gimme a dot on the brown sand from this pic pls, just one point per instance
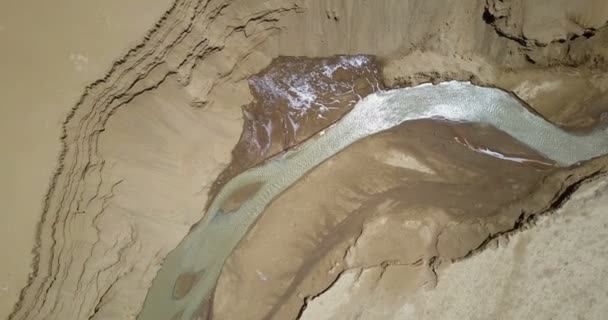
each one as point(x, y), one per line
point(422, 196)
point(236, 199)
point(185, 282)
point(142, 148)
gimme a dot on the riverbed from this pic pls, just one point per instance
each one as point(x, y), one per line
point(186, 280)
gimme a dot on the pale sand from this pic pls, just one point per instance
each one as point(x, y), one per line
point(50, 52)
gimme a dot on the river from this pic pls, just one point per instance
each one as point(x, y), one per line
point(203, 251)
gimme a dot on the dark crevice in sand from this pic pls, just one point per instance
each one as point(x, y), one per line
point(500, 17)
point(307, 299)
point(528, 220)
point(101, 299)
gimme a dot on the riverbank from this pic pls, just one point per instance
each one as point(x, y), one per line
point(142, 148)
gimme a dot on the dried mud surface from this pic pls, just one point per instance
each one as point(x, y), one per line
point(143, 146)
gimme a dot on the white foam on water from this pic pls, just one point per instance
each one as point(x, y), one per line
point(498, 155)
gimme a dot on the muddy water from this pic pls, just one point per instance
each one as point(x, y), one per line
point(202, 253)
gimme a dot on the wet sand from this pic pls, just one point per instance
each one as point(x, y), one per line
point(293, 99)
point(398, 197)
point(236, 199)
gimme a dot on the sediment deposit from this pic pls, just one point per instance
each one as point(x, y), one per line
point(406, 215)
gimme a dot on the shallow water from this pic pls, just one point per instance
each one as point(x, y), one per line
point(209, 244)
